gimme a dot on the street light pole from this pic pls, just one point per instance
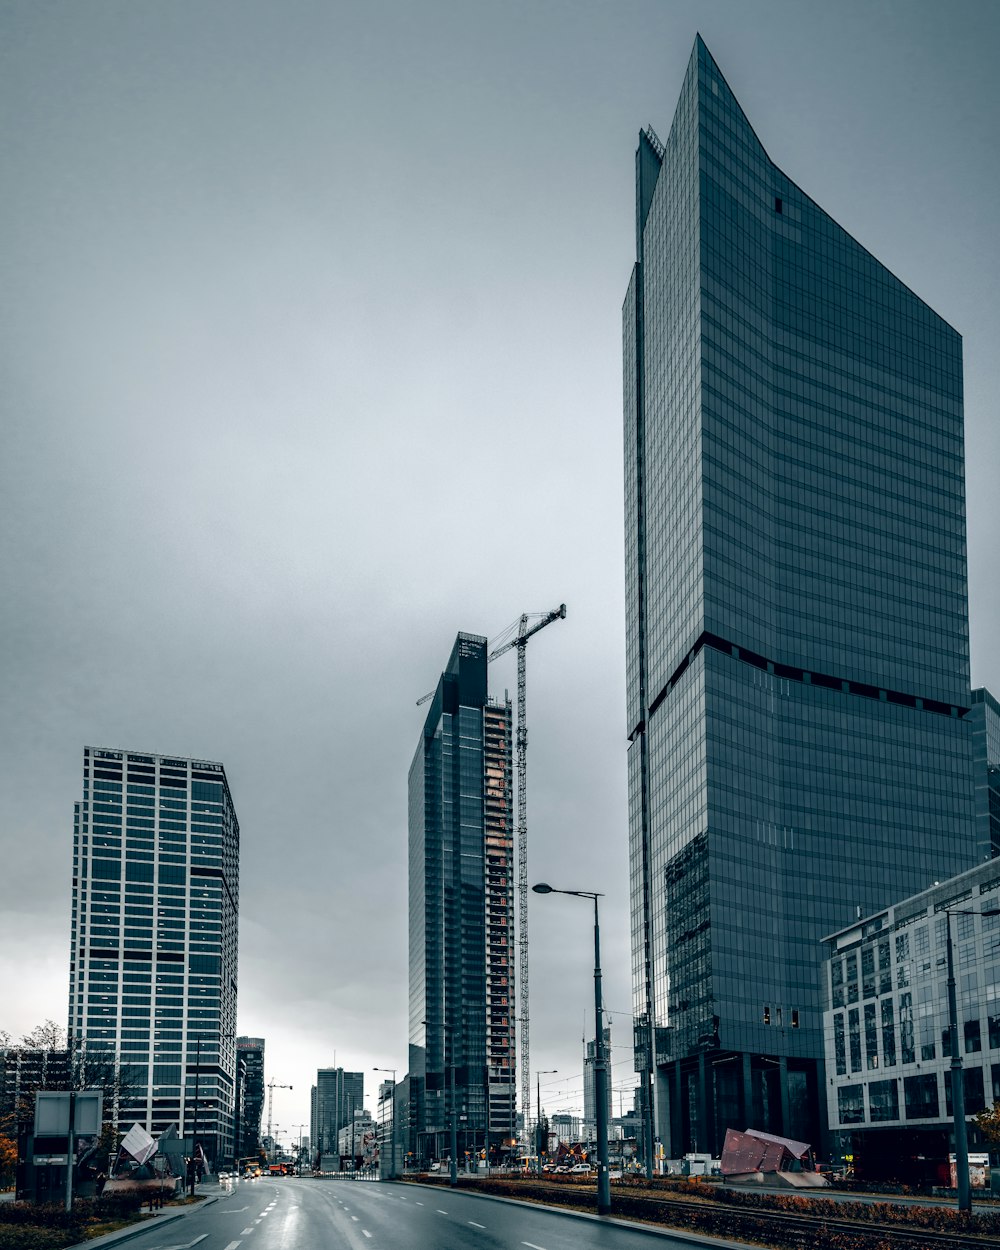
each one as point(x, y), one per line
point(539, 1073)
point(392, 1126)
point(600, 1059)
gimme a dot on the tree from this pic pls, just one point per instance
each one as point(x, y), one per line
point(988, 1122)
point(42, 1060)
point(8, 1155)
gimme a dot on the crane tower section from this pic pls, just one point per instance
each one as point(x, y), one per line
point(525, 630)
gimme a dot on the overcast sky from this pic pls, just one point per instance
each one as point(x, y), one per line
point(310, 339)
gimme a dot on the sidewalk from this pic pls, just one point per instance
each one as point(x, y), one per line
point(208, 1188)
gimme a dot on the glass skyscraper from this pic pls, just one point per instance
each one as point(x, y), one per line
point(797, 623)
point(336, 1096)
point(985, 718)
point(153, 961)
point(461, 914)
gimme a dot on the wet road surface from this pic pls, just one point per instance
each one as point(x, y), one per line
point(327, 1214)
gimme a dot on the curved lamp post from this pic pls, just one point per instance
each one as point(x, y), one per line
point(600, 1060)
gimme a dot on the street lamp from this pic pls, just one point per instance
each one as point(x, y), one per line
point(298, 1149)
point(600, 1061)
point(453, 1166)
point(392, 1126)
point(538, 1123)
point(957, 1076)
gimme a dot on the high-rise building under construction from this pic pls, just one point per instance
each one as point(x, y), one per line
point(797, 622)
point(461, 913)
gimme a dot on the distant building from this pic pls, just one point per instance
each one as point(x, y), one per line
point(985, 717)
point(589, 1095)
point(250, 1074)
point(153, 960)
point(564, 1128)
point(26, 1069)
point(461, 913)
point(886, 1024)
point(357, 1139)
point(336, 1097)
point(797, 639)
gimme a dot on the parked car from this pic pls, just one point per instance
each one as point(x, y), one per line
point(435, 1167)
point(581, 1167)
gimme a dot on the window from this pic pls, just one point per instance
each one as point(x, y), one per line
point(854, 1034)
point(840, 1044)
point(871, 1037)
point(888, 1034)
point(851, 1104)
point(883, 1100)
point(920, 1094)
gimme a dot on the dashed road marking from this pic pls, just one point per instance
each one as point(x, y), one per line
point(354, 1218)
point(440, 1212)
point(232, 1245)
point(247, 1230)
point(532, 1245)
point(475, 1225)
point(366, 1232)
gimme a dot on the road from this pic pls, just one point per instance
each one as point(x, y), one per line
point(308, 1214)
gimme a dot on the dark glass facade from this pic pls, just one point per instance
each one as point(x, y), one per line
point(797, 628)
point(250, 1094)
point(153, 963)
point(985, 718)
point(461, 913)
point(336, 1096)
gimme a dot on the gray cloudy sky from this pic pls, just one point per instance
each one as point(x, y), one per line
point(310, 325)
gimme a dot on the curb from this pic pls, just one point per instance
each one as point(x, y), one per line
point(681, 1234)
point(141, 1226)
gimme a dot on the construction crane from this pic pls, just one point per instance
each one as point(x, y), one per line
point(271, 1087)
point(520, 640)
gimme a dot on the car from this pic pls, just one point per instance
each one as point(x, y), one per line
point(581, 1167)
point(435, 1167)
point(563, 1168)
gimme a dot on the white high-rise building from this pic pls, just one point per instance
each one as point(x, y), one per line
point(153, 962)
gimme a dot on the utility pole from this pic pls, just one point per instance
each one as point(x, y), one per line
point(524, 632)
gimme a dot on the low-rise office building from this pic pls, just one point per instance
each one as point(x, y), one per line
point(886, 1027)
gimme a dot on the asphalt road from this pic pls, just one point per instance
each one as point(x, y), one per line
point(308, 1214)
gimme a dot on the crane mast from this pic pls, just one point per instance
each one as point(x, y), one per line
point(524, 632)
point(271, 1087)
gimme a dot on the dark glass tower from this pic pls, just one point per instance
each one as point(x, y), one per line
point(249, 1094)
point(985, 718)
point(336, 1096)
point(797, 624)
point(461, 907)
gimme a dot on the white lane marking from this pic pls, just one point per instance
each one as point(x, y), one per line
point(366, 1232)
point(232, 1245)
point(440, 1212)
point(475, 1225)
point(354, 1218)
point(419, 1204)
point(532, 1245)
point(247, 1230)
